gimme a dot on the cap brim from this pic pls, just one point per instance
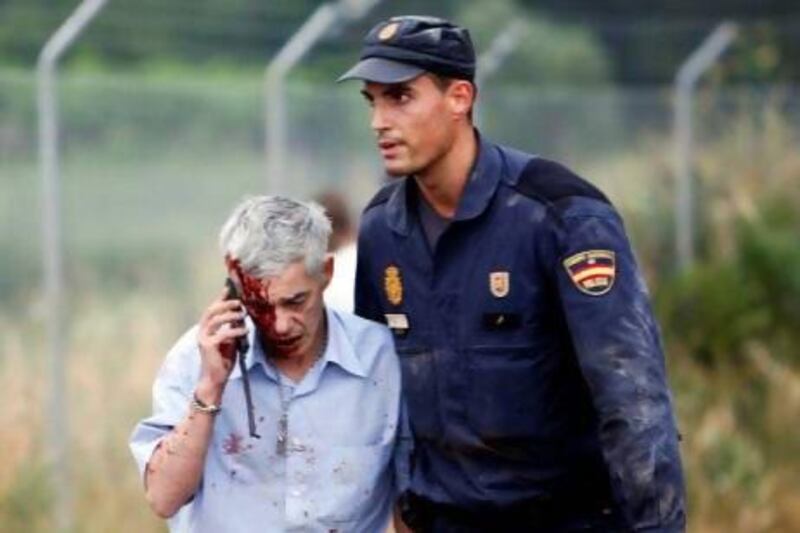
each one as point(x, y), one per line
point(380, 70)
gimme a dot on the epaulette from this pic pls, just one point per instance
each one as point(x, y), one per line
point(548, 181)
point(382, 196)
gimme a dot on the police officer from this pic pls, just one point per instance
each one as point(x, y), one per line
point(532, 364)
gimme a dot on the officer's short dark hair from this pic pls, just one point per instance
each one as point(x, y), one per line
point(444, 82)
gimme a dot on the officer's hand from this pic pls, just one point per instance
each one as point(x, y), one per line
point(220, 325)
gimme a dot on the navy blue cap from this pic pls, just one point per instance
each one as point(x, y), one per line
point(402, 48)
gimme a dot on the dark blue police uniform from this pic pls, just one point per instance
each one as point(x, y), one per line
point(532, 365)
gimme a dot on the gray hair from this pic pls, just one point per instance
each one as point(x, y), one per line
point(266, 234)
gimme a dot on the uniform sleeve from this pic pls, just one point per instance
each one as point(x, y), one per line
point(172, 392)
point(367, 301)
point(618, 347)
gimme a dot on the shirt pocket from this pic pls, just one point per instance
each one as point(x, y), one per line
point(354, 482)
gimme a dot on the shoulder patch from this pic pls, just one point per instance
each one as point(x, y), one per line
point(592, 271)
point(547, 180)
point(382, 196)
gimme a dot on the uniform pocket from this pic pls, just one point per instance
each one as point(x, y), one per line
point(504, 394)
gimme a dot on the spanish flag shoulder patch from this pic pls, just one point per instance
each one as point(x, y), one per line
point(592, 271)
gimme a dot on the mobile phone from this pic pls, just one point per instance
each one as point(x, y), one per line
point(233, 294)
point(242, 346)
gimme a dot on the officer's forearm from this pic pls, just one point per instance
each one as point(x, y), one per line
point(640, 448)
point(176, 467)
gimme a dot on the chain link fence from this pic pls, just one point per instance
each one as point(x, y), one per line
point(151, 165)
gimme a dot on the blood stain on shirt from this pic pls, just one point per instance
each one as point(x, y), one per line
point(232, 445)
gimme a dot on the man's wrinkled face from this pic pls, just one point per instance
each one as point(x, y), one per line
point(287, 309)
point(412, 121)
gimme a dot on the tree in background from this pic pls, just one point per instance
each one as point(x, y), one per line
point(549, 53)
point(649, 40)
point(641, 42)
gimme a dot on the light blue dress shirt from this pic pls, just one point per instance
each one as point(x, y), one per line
point(343, 422)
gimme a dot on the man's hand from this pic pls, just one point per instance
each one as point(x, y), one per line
point(220, 325)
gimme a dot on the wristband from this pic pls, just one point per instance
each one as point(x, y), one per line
point(198, 405)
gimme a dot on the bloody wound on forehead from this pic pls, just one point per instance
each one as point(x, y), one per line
point(255, 297)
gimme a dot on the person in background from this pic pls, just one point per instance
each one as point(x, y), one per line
point(325, 386)
point(533, 371)
point(339, 293)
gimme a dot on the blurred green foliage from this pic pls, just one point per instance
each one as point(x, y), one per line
point(647, 41)
point(725, 302)
point(712, 309)
point(644, 42)
point(732, 327)
point(745, 288)
point(548, 53)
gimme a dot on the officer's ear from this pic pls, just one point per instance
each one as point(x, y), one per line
point(461, 95)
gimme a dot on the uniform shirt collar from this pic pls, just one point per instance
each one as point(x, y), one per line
point(339, 351)
point(482, 181)
point(478, 192)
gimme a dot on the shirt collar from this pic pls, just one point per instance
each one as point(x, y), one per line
point(478, 192)
point(339, 350)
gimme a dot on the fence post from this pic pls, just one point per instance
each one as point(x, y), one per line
point(685, 82)
point(276, 123)
point(490, 61)
point(57, 419)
